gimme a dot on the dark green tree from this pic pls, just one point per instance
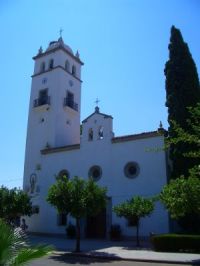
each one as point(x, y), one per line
point(14, 203)
point(182, 91)
point(181, 197)
point(133, 210)
point(77, 197)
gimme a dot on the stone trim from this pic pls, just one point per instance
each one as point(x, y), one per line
point(60, 149)
point(144, 135)
point(40, 73)
point(54, 50)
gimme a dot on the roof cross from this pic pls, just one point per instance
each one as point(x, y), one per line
point(60, 31)
point(97, 101)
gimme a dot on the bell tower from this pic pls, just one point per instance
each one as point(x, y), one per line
point(55, 102)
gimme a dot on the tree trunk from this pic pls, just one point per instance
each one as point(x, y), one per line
point(137, 234)
point(77, 235)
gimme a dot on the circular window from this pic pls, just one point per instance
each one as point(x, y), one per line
point(95, 172)
point(131, 169)
point(63, 173)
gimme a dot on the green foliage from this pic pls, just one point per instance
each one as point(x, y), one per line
point(182, 91)
point(176, 243)
point(14, 249)
point(182, 197)
point(135, 209)
point(190, 137)
point(13, 203)
point(78, 197)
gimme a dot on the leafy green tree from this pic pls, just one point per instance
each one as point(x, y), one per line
point(77, 197)
point(133, 210)
point(14, 203)
point(182, 91)
point(191, 136)
point(181, 197)
point(14, 249)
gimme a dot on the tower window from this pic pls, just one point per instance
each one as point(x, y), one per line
point(90, 134)
point(42, 67)
point(51, 62)
point(73, 70)
point(42, 99)
point(67, 65)
point(69, 101)
point(100, 132)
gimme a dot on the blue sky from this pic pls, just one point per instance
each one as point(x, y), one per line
point(124, 45)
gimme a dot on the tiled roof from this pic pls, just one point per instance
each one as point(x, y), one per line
point(143, 135)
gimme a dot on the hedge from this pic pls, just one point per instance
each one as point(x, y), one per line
point(176, 243)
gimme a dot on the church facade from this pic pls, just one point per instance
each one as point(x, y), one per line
point(126, 165)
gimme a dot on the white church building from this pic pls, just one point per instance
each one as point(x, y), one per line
point(126, 165)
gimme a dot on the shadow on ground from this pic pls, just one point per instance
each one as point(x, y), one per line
point(76, 258)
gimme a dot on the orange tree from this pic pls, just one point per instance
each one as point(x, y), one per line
point(134, 209)
point(77, 197)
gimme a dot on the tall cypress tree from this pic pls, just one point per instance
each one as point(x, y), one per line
point(182, 91)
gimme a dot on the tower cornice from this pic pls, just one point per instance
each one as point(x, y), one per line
point(40, 73)
point(56, 49)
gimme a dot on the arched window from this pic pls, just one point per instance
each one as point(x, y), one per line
point(90, 134)
point(51, 64)
point(42, 67)
point(95, 172)
point(67, 65)
point(131, 169)
point(63, 173)
point(73, 70)
point(100, 132)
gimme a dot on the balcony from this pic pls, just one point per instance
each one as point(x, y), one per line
point(70, 103)
point(41, 101)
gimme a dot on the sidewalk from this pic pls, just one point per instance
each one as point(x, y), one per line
point(124, 250)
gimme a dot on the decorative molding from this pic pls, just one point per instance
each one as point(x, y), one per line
point(54, 50)
point(59, 66)
point(60, 149)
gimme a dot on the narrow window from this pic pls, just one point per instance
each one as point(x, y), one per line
point(67, 65)
point(101, 132)
point(90, 134)
point(73, 70)
point(70, 99)
point(51, 64)
point(42, 67)
point(43, 97)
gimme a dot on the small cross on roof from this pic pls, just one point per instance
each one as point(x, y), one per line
point(60, 32)
point(97, 101)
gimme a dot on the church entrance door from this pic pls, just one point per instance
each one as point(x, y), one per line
point(96, 225)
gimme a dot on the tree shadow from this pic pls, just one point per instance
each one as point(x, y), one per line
point(84, 259)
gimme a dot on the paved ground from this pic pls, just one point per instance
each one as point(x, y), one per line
point(114, 250)
point(57, 260)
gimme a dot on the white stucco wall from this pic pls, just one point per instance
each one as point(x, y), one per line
point(111, 157)
point(61, 127)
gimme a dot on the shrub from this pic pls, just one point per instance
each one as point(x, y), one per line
point(176, 243)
